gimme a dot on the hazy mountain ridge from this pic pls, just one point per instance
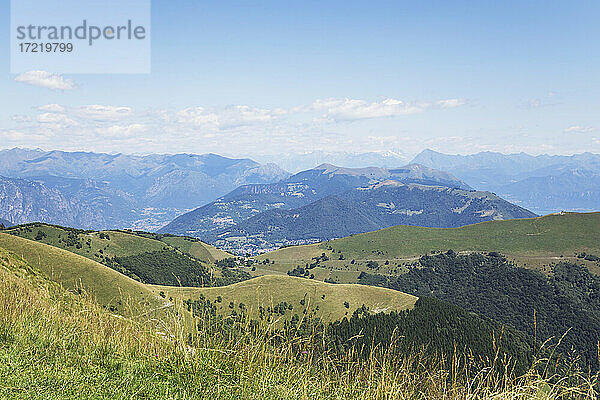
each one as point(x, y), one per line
point(22, 200)
point(143, 192)
point(543, 183)
point(570, 189)
point(145, 176)
point(515, 164)
point(302, 161)
point(97, 191)
point(77, 202)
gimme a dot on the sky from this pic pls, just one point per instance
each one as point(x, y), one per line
point(251, 78)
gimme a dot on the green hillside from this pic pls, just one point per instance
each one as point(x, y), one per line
point(112, 288)
point(553, 234)
point(145, 257)
point(73, 272)
point(90, 244)
point(326, 301)
point(564, 302)
point(196, 248)
point(115, 243)
point(533, 241)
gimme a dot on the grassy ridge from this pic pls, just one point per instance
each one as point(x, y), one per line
point(143, 256)
point(118, 244)
point(556, 234)
point(114, 289)
point(109, 244)
point(75, 272)
point(552, 235)
point(323, 300)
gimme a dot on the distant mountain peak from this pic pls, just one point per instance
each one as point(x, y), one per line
point(370, 172)
point(326, 166)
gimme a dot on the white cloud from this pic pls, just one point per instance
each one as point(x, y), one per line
point(450, 103)
point(98, 112)
point(57, 119)
point(579, 129)
point(55, 108)
point(19, 137)
point(382, 140)
point(226, 118)
point(12, 135)
point(198, 116)
point(221, 129)
point(353, 109)
point(46, 80)
point(20, 118)
point(121, 131)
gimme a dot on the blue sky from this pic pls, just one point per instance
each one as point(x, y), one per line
point(246, 78)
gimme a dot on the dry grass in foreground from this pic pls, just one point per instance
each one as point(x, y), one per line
point(56, 345)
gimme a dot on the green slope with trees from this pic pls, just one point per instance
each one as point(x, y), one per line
point(533, 242)
point(60, 345)
point(555, 234)
point(565, 302)
point(141, 256)
point(77, 273)
point(287, 296)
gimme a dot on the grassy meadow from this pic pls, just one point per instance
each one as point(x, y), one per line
point(75, 272)
point(98, 245)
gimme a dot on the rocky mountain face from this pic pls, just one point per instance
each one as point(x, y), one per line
point(22, 201)
point(543, 184)
point(140, 192)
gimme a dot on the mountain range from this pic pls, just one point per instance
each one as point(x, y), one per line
point(95, 190)
point(242, 205)
point(22, 200)
point(543, 184)
point(297, 162)
point(328, 202)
